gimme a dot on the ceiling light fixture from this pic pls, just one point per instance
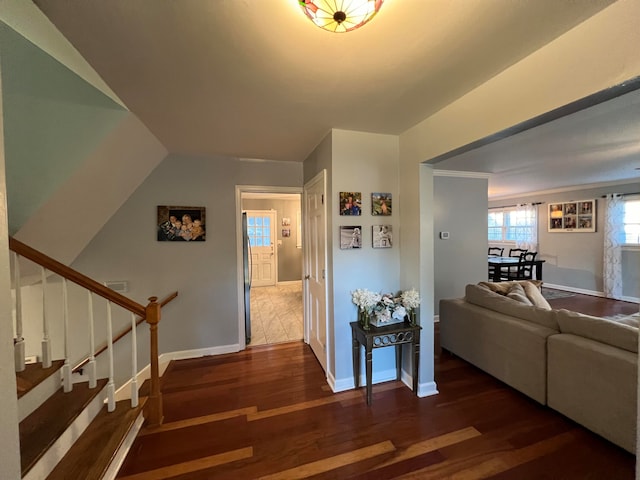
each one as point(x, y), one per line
point(340, 16)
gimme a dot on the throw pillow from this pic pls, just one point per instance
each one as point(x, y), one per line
point(535, 295)
point(516, 292)
point(503, 288)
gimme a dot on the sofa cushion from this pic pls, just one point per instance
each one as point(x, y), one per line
point(516, 292)
point(483, 297)
point(598, 329)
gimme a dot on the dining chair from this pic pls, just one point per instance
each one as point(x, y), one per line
point(494, 252)
point(524, 269)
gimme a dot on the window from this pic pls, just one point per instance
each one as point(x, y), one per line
point(259, 230)
point(512, 224)
point(632, 220)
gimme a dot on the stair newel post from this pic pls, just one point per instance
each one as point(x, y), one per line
point(66, 368)
point(91, 365)
point(111, 387)
point(154, 403)
point(19, 344)
point(46, 343)
point(134, 363)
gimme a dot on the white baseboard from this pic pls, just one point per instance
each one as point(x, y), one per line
point(436, 318)
point(427, 389)
point(588, 292)
point(574, 289)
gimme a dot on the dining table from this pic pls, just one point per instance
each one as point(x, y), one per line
point(499, 263)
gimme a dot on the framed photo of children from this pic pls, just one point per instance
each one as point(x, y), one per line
point(350, 237)
point(382, 236)
point(380, 204)
point(181, 224)
point(577, 216)
point(350, 203)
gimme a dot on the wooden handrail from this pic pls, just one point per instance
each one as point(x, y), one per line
point(124, 332)
point(76, 277)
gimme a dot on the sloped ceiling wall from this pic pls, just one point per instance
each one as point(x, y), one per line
point(73, 154)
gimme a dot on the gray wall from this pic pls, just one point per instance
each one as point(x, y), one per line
point(205, 314)
point(460, 208)
point(575, 259)
point(289, 255)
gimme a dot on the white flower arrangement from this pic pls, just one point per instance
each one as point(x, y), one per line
point(385, 307)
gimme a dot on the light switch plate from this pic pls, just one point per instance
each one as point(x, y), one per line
point(444, 235)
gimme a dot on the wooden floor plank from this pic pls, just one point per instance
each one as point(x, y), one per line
point(331, 463)
point(216, 417)
point(192, 466)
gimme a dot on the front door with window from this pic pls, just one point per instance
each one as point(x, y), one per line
point(261, 230)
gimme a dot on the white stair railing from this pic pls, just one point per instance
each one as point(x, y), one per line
point(46, 342)
point(134, 363)
point(18, 347)
point(111, 386)
point(67, 386)
point(91, 365)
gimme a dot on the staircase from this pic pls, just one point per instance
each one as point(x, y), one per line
point(71, 425)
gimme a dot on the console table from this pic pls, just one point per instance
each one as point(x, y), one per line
point(377, 337)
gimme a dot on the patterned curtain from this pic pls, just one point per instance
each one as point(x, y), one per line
point(527, 231)
point(613, 239)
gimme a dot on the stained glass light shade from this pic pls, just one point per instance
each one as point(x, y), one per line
point(340, 15)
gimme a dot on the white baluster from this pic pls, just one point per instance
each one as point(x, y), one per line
point(134, 363)
point(91, 366)
point(66, 368)
point(18, 347)
point(46, 344)
point(111, 388)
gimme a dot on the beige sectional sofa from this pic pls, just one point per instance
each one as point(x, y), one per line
point(584, 367)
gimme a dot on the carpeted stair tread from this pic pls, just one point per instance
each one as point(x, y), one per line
point(45, 425)
point(33, 374)
point(90, 456)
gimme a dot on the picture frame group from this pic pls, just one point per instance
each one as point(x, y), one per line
point(575, 216)
point(351, 203)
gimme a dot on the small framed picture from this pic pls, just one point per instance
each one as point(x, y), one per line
point(286, 221)
point(286, 232)
point(351, 203)
point(350, 237)
point(381, 236)
point(380, 204)
point(181, 224)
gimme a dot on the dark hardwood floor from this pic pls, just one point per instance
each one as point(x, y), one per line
point(267, 412)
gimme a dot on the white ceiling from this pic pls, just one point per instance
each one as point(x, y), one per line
point(256, 79)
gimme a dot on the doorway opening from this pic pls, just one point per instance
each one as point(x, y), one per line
point(272, 267)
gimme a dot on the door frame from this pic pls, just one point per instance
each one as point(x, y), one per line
point(319, 177)
point(240, 189)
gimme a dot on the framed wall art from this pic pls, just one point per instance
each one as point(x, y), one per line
point(350, 237)
point(181, 224)
point(577, 216)
point(381, 204)
point(381, 236)
point(350, 203)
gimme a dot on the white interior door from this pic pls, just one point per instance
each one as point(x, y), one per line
point(315, 254)
point(261, 230)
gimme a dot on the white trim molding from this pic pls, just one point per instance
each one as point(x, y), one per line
point(460, 174)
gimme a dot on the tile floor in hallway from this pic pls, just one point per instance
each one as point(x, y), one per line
point(276, 314)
